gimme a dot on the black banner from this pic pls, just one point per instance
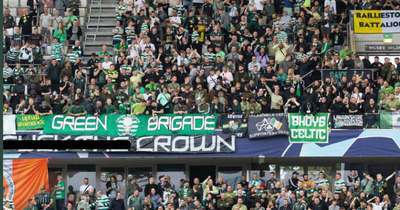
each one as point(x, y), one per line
point(233, 124)
point(382, 47)
point(372, 120)
point(265, 125)
point(153, 144)
point(347, 121)
point(338, 74)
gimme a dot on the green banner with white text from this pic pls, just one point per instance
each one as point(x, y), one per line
point(128, 125)
point(309, 129)
point(30, 122)
point(390, 120)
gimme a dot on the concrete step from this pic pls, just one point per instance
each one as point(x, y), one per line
point(101, 18)
point(93, 6)
point(98, 42)
point(104, 25)
point(94, 30)
point(102, 8)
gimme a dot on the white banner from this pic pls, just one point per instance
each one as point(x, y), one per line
point(9, 124)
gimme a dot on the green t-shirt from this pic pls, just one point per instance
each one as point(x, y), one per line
point(76, 110)
point(120, 46)
point(70, 18)
point(103, 53)
point(110, 109)
point(124, 109)
point(311, 191)
point(75, 6)
point(33, 208)
point(220, 54)
point(60, 194)
point(138, 108)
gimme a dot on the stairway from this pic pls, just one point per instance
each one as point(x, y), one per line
point(100, 22)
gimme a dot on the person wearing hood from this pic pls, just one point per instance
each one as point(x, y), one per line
point(352, 178)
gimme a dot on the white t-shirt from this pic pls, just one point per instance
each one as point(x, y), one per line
point(45, 20)
point(175, 19)
point(377, 207)
point(139, 4)
point(106, 65)
point(258, 4)
point(212, 81)
point(83, 188)
point(128, 8)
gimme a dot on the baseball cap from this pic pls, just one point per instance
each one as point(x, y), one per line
point(131, 177)
point(42, 188)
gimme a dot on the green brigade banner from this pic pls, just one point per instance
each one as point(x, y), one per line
point(390, 120)
point(127, 125)
point(30, 122)
point(306, 129)
point(376, 21)
point(233, 124)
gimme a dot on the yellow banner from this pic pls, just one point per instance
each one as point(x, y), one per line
point(367, 21)
point(376, 21)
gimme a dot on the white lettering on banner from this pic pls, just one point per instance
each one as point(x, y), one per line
point(347, 120)
point(90, 126)
point(53, 123)
point(308, 133)
point(185, 139)
point(235, 116)
point(316, 121)
point(138, 144)
point(184, 144)
point(175, 123)
point(221, 140)
point(78, 123)
point(179, 125)
point(163, 145)
point(80, 126)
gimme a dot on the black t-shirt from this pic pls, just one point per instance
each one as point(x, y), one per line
point(208, 9)
point(46, 89)
point(165, 7)
point(36, 38)
point(293, 108)
point(44, 110)
point(353, 107)
point(66, 89)
point(159, 107)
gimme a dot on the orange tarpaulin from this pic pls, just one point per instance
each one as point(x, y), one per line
point(23, 179)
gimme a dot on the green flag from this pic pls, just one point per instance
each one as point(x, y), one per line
point(307, 3)
point(389, 120)
point(298, 92)
point(308, 129)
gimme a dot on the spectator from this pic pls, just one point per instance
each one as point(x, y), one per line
point(7, 110)
point(44, 109)
point(392, 104)
point(74, 32)
point(60, 33)
point(77, 110)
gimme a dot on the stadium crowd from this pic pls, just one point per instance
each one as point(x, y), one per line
point(297, 193)
point(239, 57)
